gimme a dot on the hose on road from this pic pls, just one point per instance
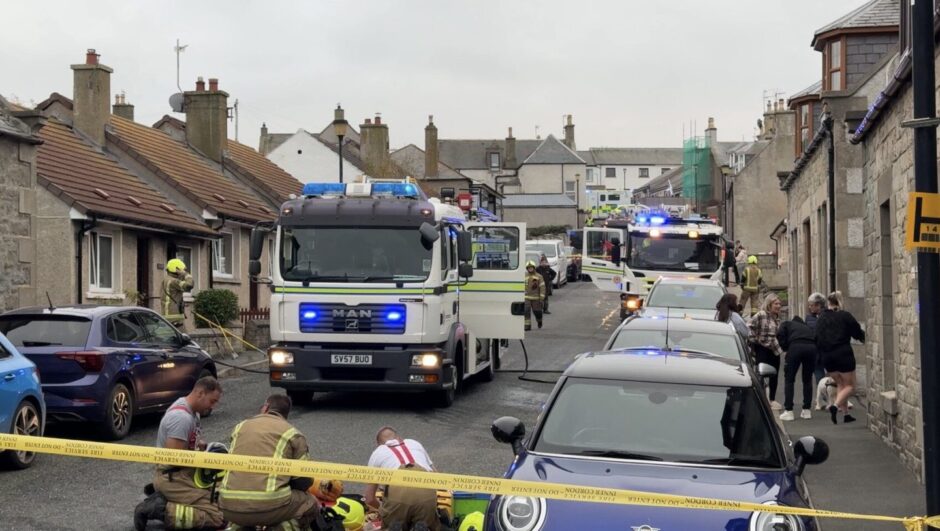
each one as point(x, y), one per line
point(526, 370)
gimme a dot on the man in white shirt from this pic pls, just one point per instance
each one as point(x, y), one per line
point(405, 505)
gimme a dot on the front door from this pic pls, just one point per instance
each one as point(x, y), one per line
point(597, 258)
point(491, 302)
point(143, 271)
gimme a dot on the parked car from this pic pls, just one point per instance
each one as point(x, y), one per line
point(574, 264)
point(683, 423)
point(683, 297)
point(554, 251)
point(22, 408)
point(678, 333)
point(105, 364)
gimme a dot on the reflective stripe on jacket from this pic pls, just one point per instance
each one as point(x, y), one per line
point(264, 435)
point(172, 296)
point(752, 276)
point(534, 287)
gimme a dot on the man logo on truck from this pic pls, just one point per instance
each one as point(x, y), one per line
point(352, 325)
point(353, 314)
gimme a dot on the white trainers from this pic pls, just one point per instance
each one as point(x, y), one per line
point(786, 415)
point(806, 414)
point(776, 406)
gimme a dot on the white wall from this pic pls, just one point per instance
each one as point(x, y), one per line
point(632, 181)
point(308, 160)
point(549, 178)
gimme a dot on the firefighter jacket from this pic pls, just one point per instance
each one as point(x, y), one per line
point(534, 286)
point(264, 435)
point(752, 278)
point(172, 290)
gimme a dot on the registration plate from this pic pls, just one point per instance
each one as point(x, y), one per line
point(351, 359)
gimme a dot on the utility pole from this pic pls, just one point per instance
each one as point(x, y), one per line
point(928, 264)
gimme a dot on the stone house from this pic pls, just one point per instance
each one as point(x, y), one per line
point(19, 142)
point(624, 170)
point(892, 347)
point(855, 51)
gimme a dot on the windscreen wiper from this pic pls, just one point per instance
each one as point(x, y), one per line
point(395, 278)
point(619, 454)
point(331, 278)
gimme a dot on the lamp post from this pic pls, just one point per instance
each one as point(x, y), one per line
point(339, 128)
point(577, 200)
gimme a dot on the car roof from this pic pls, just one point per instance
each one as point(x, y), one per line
point(661, 366)
point(692, 281)
point(542, 241)
point(678, 324)
point(76, 310)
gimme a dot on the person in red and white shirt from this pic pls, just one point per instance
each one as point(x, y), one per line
point(406, 505)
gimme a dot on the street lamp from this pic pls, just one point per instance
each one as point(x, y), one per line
point(339, 128)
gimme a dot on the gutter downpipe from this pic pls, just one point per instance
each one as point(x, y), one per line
point(831, 192)
point(86, 225)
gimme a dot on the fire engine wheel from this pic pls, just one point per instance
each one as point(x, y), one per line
point(301, 398)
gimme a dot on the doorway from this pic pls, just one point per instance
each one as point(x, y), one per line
point(143, 271)
point(887, 297)
point(807, 259)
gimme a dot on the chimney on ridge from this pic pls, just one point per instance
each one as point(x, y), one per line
point(91, 95)
point(509, 160)
point(430, 149)
point(569, 133)
point(711, 134)
point(373, 141)
point(122, 108)
point(207, 118)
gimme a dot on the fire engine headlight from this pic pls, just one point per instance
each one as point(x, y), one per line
point(427, 361)
point(281, 357)
point(521, 513)
point(693, 234)
point(654, 233)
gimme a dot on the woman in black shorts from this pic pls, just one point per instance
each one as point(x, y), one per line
point(835, 330)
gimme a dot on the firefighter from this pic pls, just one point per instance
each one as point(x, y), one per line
point(405, 506)
point(534, 295)
point(751, 285)
point(175, 283)
point(548, 274)
point(260, 499)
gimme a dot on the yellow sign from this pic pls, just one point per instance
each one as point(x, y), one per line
point(407, 478)
point(923, 222)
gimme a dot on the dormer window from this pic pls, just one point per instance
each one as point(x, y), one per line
point(494, 160)
point(834, 65)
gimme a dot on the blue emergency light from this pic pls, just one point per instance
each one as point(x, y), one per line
point(321, 189)
point(395, 189)
point(394, 316)
point(657, 220)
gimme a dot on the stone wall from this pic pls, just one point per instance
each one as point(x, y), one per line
point(892, 346)
point(863, 52)
point(17, 230)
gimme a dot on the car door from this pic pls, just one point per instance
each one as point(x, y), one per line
point(491, 301)
point(128, 338)
point(181, 368)
point(16, 376)
point(596, 259)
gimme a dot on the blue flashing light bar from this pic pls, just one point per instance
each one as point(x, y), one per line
point(321, 189)
point(657, 220)
point(394, 316)
point(395, 189)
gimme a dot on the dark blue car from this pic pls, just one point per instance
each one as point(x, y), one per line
point(105, 364)
point(671, 422)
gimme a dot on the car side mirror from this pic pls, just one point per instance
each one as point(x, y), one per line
point(429, 235)
point(809, 451)
point(254, 267)
point(256, 243)
point(184, 340)
point(766, 370)
point(465, 270)
point(509, 430)
point(464, 246)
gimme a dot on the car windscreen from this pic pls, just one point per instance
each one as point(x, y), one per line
point(46, 330)
point(351, 254)
point(672, 252)
point(690, 296)
point(660, 422)
point(717, 344)
point(548, 249)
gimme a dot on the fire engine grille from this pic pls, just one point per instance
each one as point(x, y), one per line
point(316, 318)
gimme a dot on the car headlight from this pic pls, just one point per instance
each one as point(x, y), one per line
point(427, 361)
point(768, 521)
point(521, 513)
point(281, 357)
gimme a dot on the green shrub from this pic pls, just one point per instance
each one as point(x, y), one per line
point(219, 305)
point(548, 229)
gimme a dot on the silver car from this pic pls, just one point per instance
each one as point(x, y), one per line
point(713, 337)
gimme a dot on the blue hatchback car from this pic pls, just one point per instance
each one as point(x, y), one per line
point(22, 409)
point(105, 364)
point(671, 422)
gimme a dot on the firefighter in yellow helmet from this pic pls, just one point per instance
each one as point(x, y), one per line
point(534, 295)
point(750, 287)
point(176, 282)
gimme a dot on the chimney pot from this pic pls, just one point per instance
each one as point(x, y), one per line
point(213, 84)
point(569, 119)
point(200, 84)
point(430, 119)
point(91, 57)
point(368, 121)
point(510, 133)
point(378, 119)
point(781, 102)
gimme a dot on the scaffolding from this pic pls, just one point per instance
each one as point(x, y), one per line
point(696, 171)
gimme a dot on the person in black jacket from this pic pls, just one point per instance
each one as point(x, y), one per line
point(549, 275)
point(799, 340)
point(835, 330)
point(728, 264)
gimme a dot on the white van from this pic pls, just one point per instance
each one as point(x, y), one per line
point(554, 250)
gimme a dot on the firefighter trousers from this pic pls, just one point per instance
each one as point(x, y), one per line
point(410, 506)
point(188, 506)
point(533, 306)
point(297, 513)
point(752, 296)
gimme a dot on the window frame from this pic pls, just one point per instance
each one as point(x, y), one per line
point(828, 69)
point(663, 171)
point(94, 265)
point(150, 339)
point(644, 173)
point(192, 264)
point(216, 254)
point(810, 127)
point(490, 159)
point(610, 172)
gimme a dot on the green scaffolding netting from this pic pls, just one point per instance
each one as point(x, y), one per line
point(696, 175)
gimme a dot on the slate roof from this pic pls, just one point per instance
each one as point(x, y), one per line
point(661, 182)
point(874, 14)
point(265, 172)
point(471, 154)
point(720, 151)
point(813, 90)
point(328, 136)
point(588, 157)
point(187, 171)
point(95, 184)
point(636, 156)
point(12, 127)
point(537, 200)
point(351, 153)
point(552, 151)
point(411, 159)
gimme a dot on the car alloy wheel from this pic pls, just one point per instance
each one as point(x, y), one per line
point(119, 415)
point(25, 422)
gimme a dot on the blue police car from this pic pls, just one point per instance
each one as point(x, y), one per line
point(671, 422)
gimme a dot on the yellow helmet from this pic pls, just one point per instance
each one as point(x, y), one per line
point(472, 522)
point(352, 511)
point(752, 259)
point(530, 263)
point(175, 266)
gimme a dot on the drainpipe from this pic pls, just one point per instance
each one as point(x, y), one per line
point(86, 225)
point(827, 125)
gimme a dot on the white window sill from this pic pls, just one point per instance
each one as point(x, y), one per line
point(226, 280)
point(188, 297)
point(100, 296)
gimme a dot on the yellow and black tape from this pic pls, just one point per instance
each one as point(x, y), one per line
point(419, 479)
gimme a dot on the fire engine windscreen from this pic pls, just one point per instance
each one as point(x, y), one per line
point(673, 252)
point(350, 254)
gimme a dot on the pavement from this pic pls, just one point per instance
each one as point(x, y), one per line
point(65, 493)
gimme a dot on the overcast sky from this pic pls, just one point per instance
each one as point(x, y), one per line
point(633, 73)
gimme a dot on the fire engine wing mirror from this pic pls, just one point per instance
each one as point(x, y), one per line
point(465, 270)
point(256, 246)
point(429, 235)
point(464, 247)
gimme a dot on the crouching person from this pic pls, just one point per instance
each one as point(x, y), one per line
point(256, 499)
point(406, 507)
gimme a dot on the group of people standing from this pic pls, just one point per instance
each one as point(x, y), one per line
point(538, 288)
point(819, 346)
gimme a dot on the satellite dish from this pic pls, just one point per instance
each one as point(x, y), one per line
point(176, 102)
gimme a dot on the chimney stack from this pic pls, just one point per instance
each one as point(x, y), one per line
point(569, 133)
point(91, 97)
point(509, 160)
point(122, 108)
point(207, 118)
point(373, 142)
point(430, 149)
point(711, 134)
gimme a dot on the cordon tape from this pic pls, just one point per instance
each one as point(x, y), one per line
point(420, 479)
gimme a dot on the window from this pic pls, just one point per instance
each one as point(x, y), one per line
point(494, 161)
point(46, 330)
point(223, 252)
point(4, 353)
point(610, 173)
point(124, 328)
point(834, 66)
point(590, 175)
point(101, 258)
point(495, 248)
point(804, 126)
point(159, 332)
point(448, 254)
point(664, 170)
point(644, 172)
point(570, 189)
